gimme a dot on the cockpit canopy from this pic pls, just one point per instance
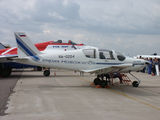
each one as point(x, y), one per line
point(103, 54)
point(70, 42)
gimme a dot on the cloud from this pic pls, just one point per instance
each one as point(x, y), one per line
point(134, 17)
point(122, 25)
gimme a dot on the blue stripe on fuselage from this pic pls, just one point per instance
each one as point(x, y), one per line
point(109, 63)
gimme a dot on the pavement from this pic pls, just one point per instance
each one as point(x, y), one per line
point(67, 95)
point(6, 88)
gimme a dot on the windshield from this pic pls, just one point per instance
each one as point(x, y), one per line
point(120, 57)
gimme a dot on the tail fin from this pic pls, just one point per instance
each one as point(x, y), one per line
point(25, 46)
point(2, 46)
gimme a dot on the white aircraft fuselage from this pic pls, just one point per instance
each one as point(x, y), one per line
point(76, 60)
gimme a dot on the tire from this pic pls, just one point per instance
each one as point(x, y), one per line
point(5, 72)
point(39, 68)
point(96, 81)
point(46, 73)
point(135, 84)
point(103, 84)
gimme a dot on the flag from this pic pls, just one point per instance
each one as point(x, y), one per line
point(22, 35)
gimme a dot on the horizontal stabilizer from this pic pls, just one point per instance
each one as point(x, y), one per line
point(17, 58)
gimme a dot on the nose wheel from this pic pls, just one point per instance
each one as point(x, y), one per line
point(135, 84)
point(46, 73)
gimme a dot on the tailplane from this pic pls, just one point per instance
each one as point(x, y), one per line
point(25, 47)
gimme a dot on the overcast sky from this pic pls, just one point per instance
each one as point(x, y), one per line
point(127, 26)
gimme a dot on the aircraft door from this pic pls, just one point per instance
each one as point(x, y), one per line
point(105, 55)
point(90, 53)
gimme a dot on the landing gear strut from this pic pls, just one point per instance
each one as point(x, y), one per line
point(135, 83)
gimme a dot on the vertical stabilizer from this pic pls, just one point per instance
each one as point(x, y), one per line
point(25, 47)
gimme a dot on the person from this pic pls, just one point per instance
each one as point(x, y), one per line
point(146, 68)
point(157, 64)
point(154, 62)
point(150, 66)
point(143, 70)
point(117, 75)
point(101, 55)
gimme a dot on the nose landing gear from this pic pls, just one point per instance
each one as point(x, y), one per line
point(135, 83)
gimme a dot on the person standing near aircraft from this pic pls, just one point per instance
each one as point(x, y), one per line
point(147, 67)
point(159, 64)
point(154, 62)
point(150, 66)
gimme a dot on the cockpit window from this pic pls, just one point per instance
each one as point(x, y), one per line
point(58, 41)
point(90, 53)
point(106, 54)
point(120, 57)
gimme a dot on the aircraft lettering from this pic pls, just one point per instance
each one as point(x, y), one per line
point(50, 61)
point(60, 56)
point(55, 46)
point(64, 46)
point(88, 63)
point(67, 62)
point(137, 61)
point(77, 62)
point(66, 56)
point(70, 62)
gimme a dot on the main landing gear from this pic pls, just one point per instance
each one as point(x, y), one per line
point(5, 72)
point(100, 80)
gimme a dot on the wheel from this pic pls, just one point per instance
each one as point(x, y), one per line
point(96, 81)
point(39, 68)
point(5, 72)
point(46, 73)
point(0, 71)
point(135, 84)
point(103, 84)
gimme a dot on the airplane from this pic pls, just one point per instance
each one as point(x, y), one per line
point(148, 56)
point(90, 60)
point(6, 54)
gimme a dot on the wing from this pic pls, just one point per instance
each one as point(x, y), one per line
point(111, 69)
point(8, 56)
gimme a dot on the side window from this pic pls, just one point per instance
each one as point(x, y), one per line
point(111, 55)
point(90, 53)
point(106, 55)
